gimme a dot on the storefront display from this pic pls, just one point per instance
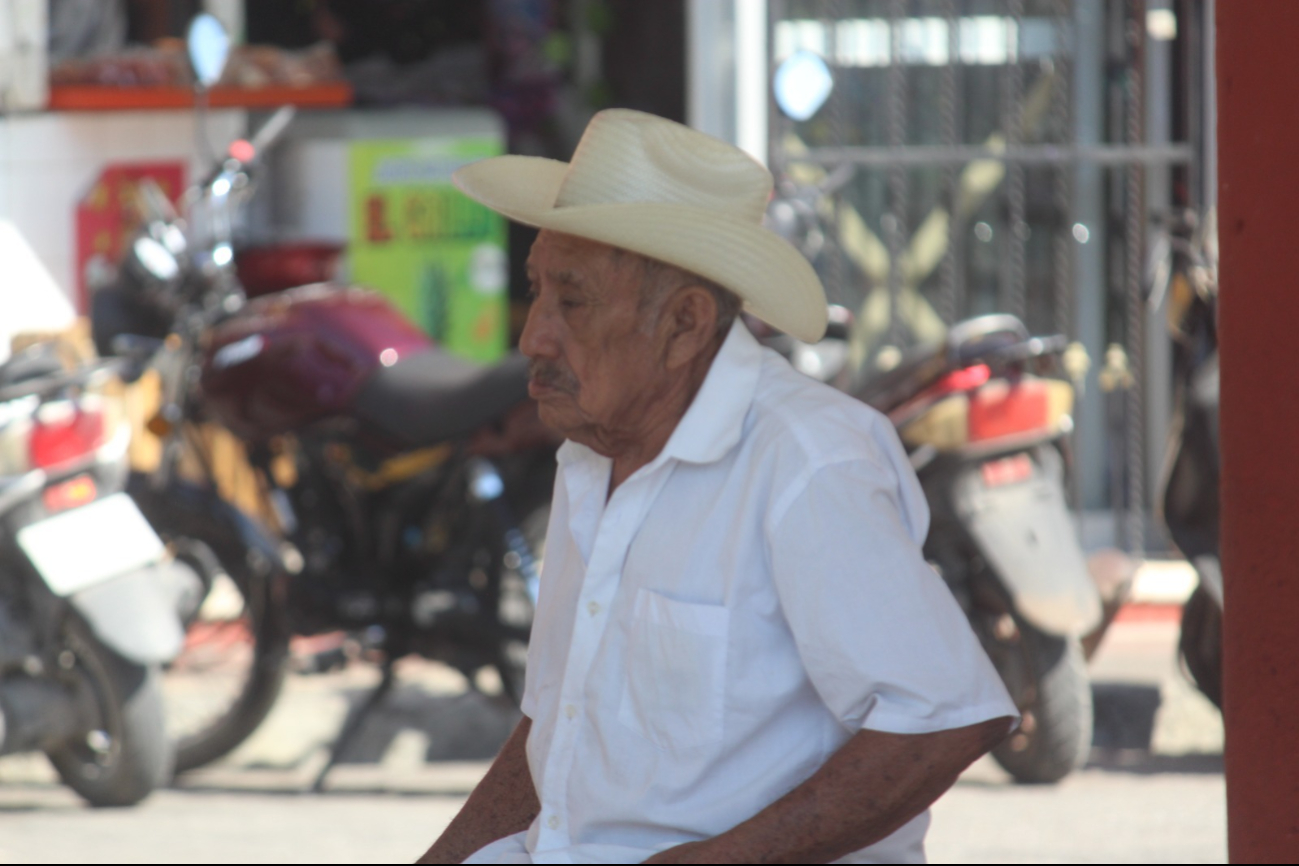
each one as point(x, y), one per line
point(416, 238)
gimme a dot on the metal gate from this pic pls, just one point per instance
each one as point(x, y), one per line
point(1005, 155)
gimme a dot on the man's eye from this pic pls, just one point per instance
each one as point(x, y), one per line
point(569, 304)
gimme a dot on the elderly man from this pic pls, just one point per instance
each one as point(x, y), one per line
point(739, 653)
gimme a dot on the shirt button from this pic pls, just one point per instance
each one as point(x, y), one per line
point(594, 608)
point(553, 822)
point(570, 711)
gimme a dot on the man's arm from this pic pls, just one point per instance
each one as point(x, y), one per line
point(503, 803)
point(872, 786)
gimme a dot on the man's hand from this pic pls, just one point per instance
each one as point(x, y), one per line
point(504, 803)
point(871, 787)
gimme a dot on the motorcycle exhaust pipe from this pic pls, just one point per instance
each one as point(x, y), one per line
point(35, 714)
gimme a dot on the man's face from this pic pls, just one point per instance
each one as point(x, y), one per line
point(596, 357)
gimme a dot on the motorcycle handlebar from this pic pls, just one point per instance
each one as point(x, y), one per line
point(58, 381)
point(272, 129)
point(270, 132)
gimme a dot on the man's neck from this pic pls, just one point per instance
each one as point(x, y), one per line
point(633, 452)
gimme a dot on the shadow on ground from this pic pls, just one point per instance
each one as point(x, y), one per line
point(1145, 764)
point(467, 727)
point(425, 741)
point(1124, 729)
point(432, 727)
point(417, 741)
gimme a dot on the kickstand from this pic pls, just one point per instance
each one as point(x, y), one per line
point(353, 726)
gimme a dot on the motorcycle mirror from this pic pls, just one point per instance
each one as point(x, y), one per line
point(209, 48)
point(802, 85)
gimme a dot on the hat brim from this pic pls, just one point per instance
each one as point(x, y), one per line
point(777, 283)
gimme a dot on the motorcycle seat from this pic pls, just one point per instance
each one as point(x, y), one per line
point(918, 370)
point(969, 342)
point(435, 397)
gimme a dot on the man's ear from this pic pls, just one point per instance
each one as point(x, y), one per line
point(691, 320)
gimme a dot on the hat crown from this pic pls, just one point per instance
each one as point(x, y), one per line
point(629, 157)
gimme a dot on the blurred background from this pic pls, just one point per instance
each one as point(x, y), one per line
point(936, 160)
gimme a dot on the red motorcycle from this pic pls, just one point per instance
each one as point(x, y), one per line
point(409, 489)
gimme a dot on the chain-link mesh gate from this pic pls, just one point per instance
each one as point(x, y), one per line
point(949, 157)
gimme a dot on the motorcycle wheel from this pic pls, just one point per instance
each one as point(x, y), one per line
point(124, 753)
point(230, 672)
point(236, 652)
point(1046, 676)
point(1200, 644)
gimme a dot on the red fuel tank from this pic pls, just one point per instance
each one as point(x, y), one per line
point(296, 357)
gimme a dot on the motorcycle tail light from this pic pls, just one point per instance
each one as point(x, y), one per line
point(993, 410)
point(78, 491)
point(1028, 406)
point(1004, 409)
point(964, 380)
point(64, 434)
point(1010, 470)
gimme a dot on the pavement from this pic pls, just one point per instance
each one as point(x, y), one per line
point(1152, 792)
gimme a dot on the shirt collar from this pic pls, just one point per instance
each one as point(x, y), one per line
point(714, 422)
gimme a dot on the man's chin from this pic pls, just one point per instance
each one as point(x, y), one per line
point(556, 412)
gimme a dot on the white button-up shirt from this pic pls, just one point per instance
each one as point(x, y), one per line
point(711, 634)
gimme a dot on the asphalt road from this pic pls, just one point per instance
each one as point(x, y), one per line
point(1152, 792)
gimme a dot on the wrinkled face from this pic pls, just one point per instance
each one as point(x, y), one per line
point(597, 357)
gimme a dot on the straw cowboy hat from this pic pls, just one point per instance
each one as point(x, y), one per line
point(663, 190)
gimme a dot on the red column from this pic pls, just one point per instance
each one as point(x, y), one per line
point(1258, 135)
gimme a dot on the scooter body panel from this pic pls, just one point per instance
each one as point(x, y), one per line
point(134, 614)
point(1022, 528)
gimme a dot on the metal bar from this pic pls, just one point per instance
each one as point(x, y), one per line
point(751, 77)
point(1089, 98)
point(1064, 241)
point(951, 303)
point(777, 123)
point(1160, 191)
point(838, 271)
point(896, 218)
point(1007, 108)
point(1014, 287)
point(1036, 154)
point(1134, 445)
point(1195, 55)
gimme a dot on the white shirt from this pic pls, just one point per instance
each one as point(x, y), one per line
point(739, 607)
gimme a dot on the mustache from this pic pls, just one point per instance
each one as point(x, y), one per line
point(553, 375)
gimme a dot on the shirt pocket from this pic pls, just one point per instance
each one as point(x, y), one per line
point(674, 692)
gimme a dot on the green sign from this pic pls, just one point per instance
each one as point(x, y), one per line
point(437, 254)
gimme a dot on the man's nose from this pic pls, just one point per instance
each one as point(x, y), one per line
point(539, 339)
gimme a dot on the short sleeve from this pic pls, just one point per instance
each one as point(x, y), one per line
point(880, 635)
